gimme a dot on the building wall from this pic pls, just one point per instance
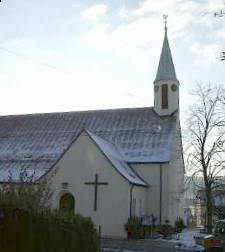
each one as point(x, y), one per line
point(172, 203)
point(79, 165)
point(139, 200)
point(83, 160)
point(151, 174)
point(176, 179)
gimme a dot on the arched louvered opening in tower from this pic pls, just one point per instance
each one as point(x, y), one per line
point(164, 96)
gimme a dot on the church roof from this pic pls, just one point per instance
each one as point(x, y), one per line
point(166, 70)
point(117, 160)
point(35, 142)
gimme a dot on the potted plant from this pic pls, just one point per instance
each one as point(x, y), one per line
point(166, 230)
point(134, 229)
point(179, 225)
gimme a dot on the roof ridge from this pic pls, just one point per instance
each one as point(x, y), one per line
point(73, 112)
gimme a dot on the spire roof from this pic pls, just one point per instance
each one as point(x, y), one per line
point(166, 70)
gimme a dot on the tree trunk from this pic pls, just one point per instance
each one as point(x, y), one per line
point(209, 210)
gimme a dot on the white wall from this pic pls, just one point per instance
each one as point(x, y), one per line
point(151, 174)
point(83, 160)
point(139, 196)
point(176, 178)
point(79, 165)
point(172, 184)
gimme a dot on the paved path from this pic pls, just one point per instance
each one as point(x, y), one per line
point(116, 245)
point(154, 249)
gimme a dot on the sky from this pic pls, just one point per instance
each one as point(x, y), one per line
point(90, 54)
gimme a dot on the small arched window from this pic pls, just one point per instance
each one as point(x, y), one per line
point(164, 96)
point(67, 202)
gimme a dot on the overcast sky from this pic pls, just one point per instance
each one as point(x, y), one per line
point(90, 54)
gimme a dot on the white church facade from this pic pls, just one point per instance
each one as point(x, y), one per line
point(110, 164)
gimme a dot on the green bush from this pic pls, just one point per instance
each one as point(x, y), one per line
point(179, 225)
point(45, 232)
point(165, 230)
point(134, 229)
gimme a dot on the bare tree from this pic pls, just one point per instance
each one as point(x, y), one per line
point(26, 192)
point(206, 139)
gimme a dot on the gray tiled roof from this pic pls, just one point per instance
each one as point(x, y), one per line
point(117, 160)
point(35, 142)
point(166, 70)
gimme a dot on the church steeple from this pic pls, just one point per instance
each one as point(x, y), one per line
point(166, 70)
point(166, 84)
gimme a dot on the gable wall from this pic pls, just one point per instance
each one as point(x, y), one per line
point(79, 165)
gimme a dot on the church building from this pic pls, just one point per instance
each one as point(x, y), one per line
point(109, 165)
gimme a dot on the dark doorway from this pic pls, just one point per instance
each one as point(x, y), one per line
point(67, 202)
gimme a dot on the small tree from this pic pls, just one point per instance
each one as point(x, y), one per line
point(206, 138)
point(26, 193)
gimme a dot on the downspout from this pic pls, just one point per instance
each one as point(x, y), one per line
point(160, 194)
point(131, 199)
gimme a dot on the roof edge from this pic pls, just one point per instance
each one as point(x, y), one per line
point(61, 156)
point(146, 184)
point(76, 111)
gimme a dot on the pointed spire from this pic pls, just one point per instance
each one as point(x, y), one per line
point(166, 70)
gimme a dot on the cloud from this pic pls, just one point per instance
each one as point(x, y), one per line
point(149, 6)
point(117, 57)
point(126, 40)
point(95, 12)
point(178, 6)
point(215, 5)
point(144, 28)
point(206, 54)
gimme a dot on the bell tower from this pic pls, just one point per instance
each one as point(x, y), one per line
point(166, 84)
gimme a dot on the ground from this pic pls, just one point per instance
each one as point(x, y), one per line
point(109, 245)
point(153, 249)
point(185, 243)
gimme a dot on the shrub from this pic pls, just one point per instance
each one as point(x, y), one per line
point(45, 232)
point(134, 229)
point(28, 224)
point(165, 230)
point(179, 225)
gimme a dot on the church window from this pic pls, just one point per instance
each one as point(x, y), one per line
point(164, 96)
point(67, 202)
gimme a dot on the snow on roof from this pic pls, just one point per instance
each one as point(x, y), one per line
point(117, 160)
point(17, 175)
point(166, 69)
point(37, 141)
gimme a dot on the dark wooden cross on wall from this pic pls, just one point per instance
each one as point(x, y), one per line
point(96, 183)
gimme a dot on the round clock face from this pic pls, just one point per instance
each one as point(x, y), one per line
point(156, 88)
point(174, 87)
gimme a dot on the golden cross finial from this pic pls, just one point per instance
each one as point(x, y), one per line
point(165, 21)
